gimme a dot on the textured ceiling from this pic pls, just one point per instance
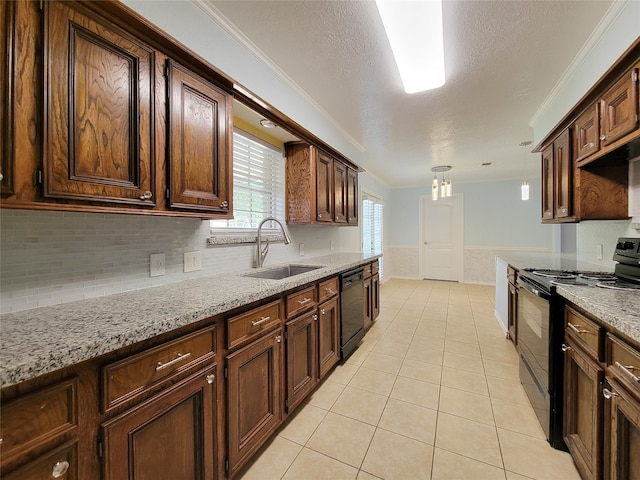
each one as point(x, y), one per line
point(502, 60)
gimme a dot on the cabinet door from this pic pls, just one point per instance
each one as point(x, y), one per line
point(60, 463)
point(169, 436)
point(302, 363)
point(324, 188)
point(620, 108)
point(6, 97)
point(624, 435)
point(586, 133)
point(328, 335)
point(99, 85)
point(352, 196)
point(368, 304)
point(583, 411)
point(254, 397)
point(340, 192)
point(513, 313)
point(563, 166)
point(199, 148)
point(547, 183)
point(375, 296)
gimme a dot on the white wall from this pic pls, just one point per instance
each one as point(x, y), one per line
point(494, 219)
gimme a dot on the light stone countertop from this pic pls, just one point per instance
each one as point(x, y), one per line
point(42, 340)
point(617, 308)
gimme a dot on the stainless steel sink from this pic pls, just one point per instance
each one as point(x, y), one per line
point(287, 271)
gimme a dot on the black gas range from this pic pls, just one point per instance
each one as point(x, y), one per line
point(540, 327)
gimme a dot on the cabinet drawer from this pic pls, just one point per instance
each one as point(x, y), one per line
point(37, 418)
point(249, 325)
point(60, 463)
point(131, 376)
point(301, 301)
point(624, 362)
point(328, 289)
point(375, 266)
point(585, 332)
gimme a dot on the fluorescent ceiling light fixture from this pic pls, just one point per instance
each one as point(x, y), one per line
point(414, 30)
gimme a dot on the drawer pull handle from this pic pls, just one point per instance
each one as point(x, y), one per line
point(304, 302)
point(606, 393)
point(255, 323)
point(627, 370)
point(565, 347)
point(576, 328)
point(329, 291)
point(59, 469)
point(179, 358)
point(590, 145)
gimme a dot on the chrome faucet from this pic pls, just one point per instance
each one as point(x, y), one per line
point(262, 253)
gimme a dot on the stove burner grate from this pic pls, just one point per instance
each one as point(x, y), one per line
point(619, 285)
point(555, 274)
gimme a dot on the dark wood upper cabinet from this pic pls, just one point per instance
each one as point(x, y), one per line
point(352, 196)
point(98, 102)
point(619, 108)
point(199, 149)
point(548, 176)
point(6, 97)
point(324, 188)
point(563, 165)
point(340, 192)
point(586, 133)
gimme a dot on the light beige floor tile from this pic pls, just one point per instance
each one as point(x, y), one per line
point(460, 335)
point(466, 404)
point(427, 372)
point(491, 339)
point(517, 418)
point(468, 438)
point(343, 373)
point(425, 354)
point(357, 357)
point(360, 405)
point(464, 380)
point(383, 363)
point(516, 476)
point(362, 475)
point(463, 362)
point(414, 391)
point(300, 428)
point(367, 343)
point(408, 310)
point(507, 390)
point(312, 465)
point(437, 343)
point(409, 420)
point(500, 354)
point(342, 438)
point(326, 394)
point(274, 461)
point(410, 459)
point(396, 337)
point(449, 466)
point(391, 348)
point(508, 371)
point(373, 381)
point(471, 349)
point(535, 458)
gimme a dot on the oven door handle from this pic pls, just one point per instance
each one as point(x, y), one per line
point(525, 283)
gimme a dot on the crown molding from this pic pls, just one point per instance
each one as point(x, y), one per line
point(214, 14)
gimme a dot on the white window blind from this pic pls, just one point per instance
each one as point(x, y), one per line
point(372, 226)
point(258, 182)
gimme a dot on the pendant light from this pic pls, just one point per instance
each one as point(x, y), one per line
point(524, 188)
point(443, 188)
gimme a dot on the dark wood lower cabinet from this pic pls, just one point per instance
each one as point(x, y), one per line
point(623, 434)
point(170, 436)
point(302, 364)
point(328, 335)
point(254, 394)
point(368, 304)
point(375, 296)
point(60, 463)
point(583, 422)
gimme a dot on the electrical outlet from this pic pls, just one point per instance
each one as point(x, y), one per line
point(599, 251)
point(156, 264)
point(332, 244)
point(302, 249)
point(192, 261)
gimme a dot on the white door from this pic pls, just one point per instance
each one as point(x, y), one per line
point(441, 238)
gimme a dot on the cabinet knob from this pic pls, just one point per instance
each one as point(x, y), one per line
point(603, 137)
point(59, 469)
point(319, 215)
point(146, 195)
point(322, 311)
point(211, 378)
point(1, 177)
point(224, 204)
point(279, 338)
point(606, 393)
point(315, 317)
point(565, 347)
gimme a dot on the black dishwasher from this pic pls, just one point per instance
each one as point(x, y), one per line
point(351, 311)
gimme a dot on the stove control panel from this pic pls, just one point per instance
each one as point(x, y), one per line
point(627, 251)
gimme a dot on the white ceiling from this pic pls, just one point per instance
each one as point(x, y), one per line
point(502, 60)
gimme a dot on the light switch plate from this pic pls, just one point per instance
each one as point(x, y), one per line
point(192, 261)
point(156, 264)
point(302, 249)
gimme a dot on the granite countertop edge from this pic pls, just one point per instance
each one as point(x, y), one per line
point(42, 340)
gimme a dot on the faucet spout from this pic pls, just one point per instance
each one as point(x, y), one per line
point(261, 254)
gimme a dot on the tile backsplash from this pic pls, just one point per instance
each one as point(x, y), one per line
point(58, 257)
